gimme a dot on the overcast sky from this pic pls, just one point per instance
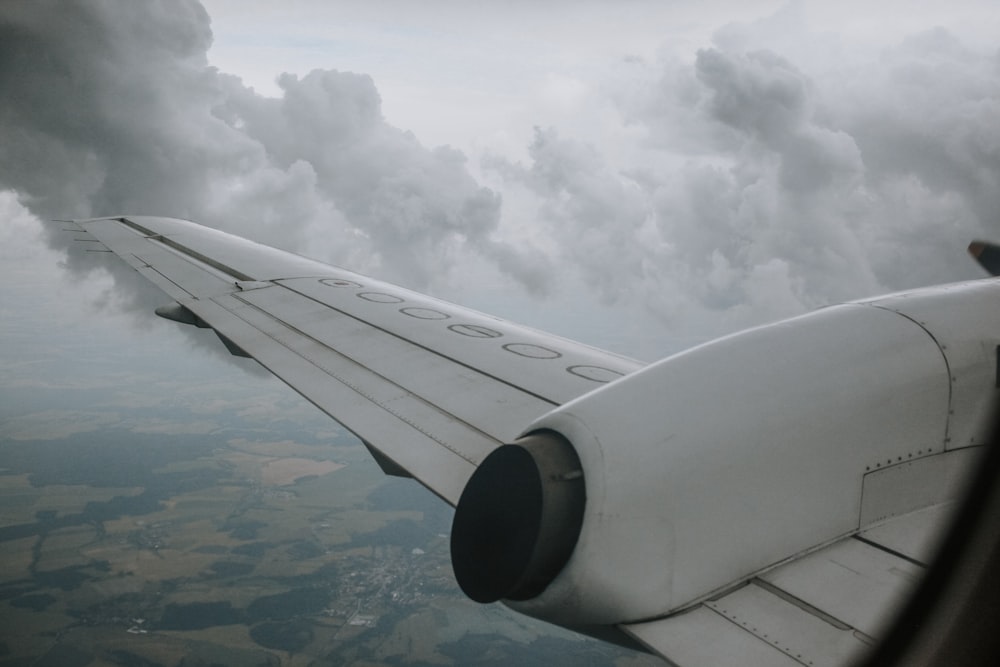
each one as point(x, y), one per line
point(639, 175)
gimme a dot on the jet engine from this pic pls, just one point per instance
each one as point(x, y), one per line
point(668, 486)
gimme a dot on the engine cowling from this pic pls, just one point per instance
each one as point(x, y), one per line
point(709, 466)
point(518, 519)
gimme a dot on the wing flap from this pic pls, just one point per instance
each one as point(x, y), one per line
point(853, 581)
point(913, 535)
point(703, 638)
point(166, 268)
point(496, 407)
point(786, 624)
point(373, 409)
point(821, 608)
point(177, 275)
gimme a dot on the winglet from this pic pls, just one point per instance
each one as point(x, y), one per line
point(988, 256)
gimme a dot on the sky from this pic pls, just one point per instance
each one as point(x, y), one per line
point(641, 176)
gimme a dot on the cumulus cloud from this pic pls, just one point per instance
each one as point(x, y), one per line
point(594, 219)
point(392, 196)
point(111, 107)
point(776, 169)
point(763, 183)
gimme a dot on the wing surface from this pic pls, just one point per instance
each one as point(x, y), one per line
point(430, 387)
point(822, 608)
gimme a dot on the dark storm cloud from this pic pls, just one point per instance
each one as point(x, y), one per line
point(111, 107)
point(101, 101)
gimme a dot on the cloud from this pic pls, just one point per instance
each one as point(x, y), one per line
point(111, 107)
point(393, 198)
point(758, 186)
point(593, 217)
point(776, 169)
point(96, 109)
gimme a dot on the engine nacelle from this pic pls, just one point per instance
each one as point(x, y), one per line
point(712, 465)
point(518, 519)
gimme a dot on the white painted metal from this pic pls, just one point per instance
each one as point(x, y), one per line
point(704, 638)
point(821, 608)
point(809, 638)
point(258, 261)
point(715, 464)
point(850, 580)
point(539, 363)
point(964, 318)
point(902, 487)
point(460, 390)
point(915, 535)
point(376, 410)
point(128, 244)
point(430, 385)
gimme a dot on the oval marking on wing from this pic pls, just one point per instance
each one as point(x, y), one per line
point(595, 373)
point(532, 351)
point(475, 331)
point(379, 297)
point(339, 282)
point(425, 313)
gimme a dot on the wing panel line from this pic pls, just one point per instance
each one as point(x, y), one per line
point(764, 639)
point(183, 249)
point(361, 391)
point(886, 549)
point(436, 467)
point(398, 336)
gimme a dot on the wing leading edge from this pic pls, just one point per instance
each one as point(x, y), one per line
point(430, 387)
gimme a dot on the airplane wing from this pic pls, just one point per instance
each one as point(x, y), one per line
point(433, 390)
point(430, 388)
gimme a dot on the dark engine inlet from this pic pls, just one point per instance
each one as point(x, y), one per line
point(518, 519)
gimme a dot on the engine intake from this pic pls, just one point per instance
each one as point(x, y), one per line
point(518, 519)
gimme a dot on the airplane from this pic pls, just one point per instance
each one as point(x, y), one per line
point(772, 497)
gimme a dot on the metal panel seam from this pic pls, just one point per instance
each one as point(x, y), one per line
point(358, 390)
point(183, 249)
point(415, 344)
point(147, 265)
point(752, 632)
point(801, 604)
point(937, 343)
point(893, 552)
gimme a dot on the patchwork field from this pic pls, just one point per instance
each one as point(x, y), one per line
point(232, 550)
